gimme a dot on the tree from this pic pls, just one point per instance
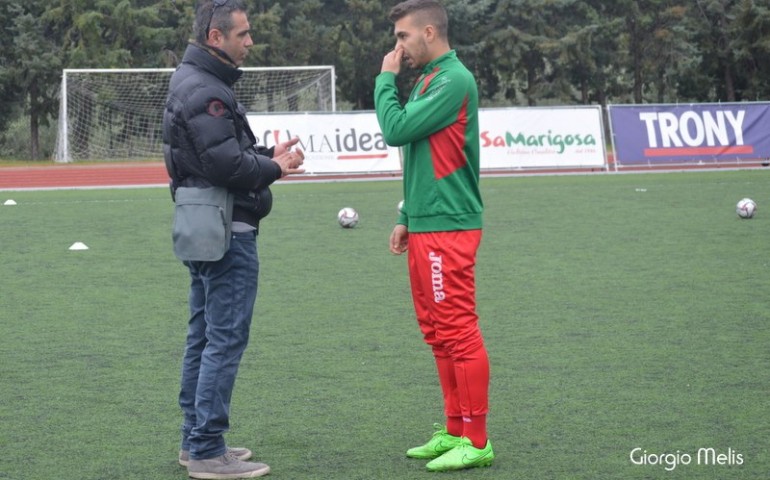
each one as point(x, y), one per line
point(527, 43)
point(751, 31)
point(521, 51)
point(652, 37)
point(34, 68)
point(468, 35)
point(8, 92)
point(47, 37)
point(713, 20)
point(516, 35)
point(115, 34)
point(591, 53)
point(364, 38)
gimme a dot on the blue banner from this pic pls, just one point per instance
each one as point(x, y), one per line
point(703, 133)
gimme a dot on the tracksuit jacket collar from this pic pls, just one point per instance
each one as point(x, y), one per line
point(431, 66)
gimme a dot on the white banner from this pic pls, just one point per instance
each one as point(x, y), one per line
point(332, 142)
point(541, 137)
point(510, 138)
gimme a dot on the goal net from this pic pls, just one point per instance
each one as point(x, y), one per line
point(118, 114)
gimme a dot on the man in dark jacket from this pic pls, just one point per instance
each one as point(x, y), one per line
point(208, 142)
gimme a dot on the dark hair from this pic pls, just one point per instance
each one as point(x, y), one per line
point(215, 14)
point(427, 12)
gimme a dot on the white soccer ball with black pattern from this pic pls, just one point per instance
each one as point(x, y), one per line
point(746, 208)
point(347, 217)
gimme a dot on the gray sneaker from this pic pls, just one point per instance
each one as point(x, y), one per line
point(225, 467)
point(239, 452)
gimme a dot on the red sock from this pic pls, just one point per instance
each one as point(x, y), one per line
point(472, 377)
point(475, 428)
point(455, 426)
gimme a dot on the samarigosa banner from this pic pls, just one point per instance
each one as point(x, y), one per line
point(541, 137)
point(703, 133)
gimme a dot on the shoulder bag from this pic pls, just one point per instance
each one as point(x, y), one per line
point(203, 219)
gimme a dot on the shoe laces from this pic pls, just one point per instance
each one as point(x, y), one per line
point(229, 457)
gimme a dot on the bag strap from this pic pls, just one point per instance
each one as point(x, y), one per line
point(171, 169)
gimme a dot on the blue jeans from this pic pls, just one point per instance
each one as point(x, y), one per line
point(222, 296)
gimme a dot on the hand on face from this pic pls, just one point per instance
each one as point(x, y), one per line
point(392, 60)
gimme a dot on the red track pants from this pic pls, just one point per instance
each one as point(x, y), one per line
point(442, 275)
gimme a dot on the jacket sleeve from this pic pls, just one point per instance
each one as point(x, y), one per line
point(224, 159)
point(432, 110)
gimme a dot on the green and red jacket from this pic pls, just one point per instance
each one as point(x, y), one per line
point(438, 129)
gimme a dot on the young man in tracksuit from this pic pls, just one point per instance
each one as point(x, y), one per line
point(441, 222)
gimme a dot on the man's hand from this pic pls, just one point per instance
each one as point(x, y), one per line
point(392, 61)
point(290, 161)
point(284, 147)
point(399, 240)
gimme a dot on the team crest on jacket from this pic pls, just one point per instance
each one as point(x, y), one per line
point(216, 108)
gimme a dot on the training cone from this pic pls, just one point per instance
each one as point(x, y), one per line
point(10, 202)
point(79, 246)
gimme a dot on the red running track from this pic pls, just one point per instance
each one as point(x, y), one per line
point(107, 175)
point(79, 175)
point(141, 174)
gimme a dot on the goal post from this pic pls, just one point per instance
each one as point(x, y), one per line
point(117, 114)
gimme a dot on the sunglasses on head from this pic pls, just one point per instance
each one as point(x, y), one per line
point(215, 4)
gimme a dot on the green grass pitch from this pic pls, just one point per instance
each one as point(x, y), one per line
point(620, 312)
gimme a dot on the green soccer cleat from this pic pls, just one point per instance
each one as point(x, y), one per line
point(463, 456)
point(440, 443)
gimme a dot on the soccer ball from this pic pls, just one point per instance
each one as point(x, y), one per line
point(347, 217)
point(400, 206)
point(746, 208)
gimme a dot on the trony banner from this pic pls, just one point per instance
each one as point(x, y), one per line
point(682, 134)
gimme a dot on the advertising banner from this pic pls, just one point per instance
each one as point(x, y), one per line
point(510, 138)
point(332, 142)
point(701, 133)
point(542, 137)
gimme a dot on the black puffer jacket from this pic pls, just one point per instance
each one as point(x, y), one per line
point(206, 136)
